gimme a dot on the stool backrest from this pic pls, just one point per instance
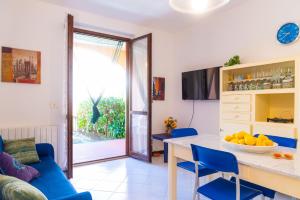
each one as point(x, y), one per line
point(282, 141)
point(214, 159)
point(183, 132)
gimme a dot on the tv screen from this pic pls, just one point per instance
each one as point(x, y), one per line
point(201, 84)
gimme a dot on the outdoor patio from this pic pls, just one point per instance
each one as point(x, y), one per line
point(84, 152)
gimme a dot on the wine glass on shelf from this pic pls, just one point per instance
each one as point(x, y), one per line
point(277, 78)
point(289, 72)
point(257, 84)
point(282, 74)
point(241, 86)
point(236, 86)
point(293, 76)
point(247, 85)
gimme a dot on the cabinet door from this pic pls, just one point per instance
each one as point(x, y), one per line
point(227, 128)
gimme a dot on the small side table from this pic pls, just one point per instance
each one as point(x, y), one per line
point(162, 137)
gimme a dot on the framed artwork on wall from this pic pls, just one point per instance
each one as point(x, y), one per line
point(21, 66)
point(158, 88)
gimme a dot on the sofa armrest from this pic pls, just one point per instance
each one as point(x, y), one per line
point(79, 196)
point(45, 149)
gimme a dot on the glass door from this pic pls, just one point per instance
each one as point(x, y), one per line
point(99, 101)
point(140, 99)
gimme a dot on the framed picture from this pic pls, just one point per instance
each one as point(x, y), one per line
point(21, 66)
point(158, 91)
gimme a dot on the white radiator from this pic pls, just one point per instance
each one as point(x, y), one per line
point(42, 134)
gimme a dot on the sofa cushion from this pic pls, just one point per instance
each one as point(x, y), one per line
point(15, 189)
point(11, 167)
point(52, 181)
point(23, 150)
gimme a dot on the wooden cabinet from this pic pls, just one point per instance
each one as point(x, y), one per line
point(260, 94)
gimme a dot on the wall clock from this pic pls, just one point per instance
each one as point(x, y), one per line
point(288, 33)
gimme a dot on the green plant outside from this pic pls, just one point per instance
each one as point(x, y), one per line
point(111, 123)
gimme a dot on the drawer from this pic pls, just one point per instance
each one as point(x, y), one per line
point(236, 99)
point(236, 108)
point(236, 116)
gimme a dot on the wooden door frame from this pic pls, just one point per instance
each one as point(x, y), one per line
point(70, 97)
point(149, 90)
point(71, 31)
point(128, 41)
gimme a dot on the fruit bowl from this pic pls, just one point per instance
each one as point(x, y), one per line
point(249, 148)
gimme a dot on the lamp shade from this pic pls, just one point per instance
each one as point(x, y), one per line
point(196, 6)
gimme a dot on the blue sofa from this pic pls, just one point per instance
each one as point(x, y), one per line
point(53, 182)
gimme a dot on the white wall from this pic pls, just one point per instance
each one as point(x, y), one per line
point(249, 30)
point(40, 26)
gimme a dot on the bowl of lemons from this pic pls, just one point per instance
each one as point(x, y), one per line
point(244, 141)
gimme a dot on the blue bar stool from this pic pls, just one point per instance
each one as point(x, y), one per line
point(281, 141)
point(184, 132)
point(201, 171)
point(176, 133)
point(221, 188)
point(189, 166)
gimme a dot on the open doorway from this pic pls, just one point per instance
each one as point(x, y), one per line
point(99, 97)
point(106, 75)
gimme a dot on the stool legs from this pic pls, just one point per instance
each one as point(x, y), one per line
point(165, 152)
point(195, 194)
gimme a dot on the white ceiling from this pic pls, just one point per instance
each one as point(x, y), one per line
point(151, 13)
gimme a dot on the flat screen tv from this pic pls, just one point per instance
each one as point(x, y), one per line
point(202, 84)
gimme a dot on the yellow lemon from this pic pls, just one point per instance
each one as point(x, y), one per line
point(269, 142)
point(264, 143)
point(250, 140)
point(241, 134)
point(228, 138)
point(245, 132)
point(234, 140)
point(259, 142)
point(262, 137)
point(235, 135)
point(242, 141)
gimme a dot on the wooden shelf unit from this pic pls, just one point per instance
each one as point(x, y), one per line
point(248, 110)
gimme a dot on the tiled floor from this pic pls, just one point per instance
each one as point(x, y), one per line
point(130, 179)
